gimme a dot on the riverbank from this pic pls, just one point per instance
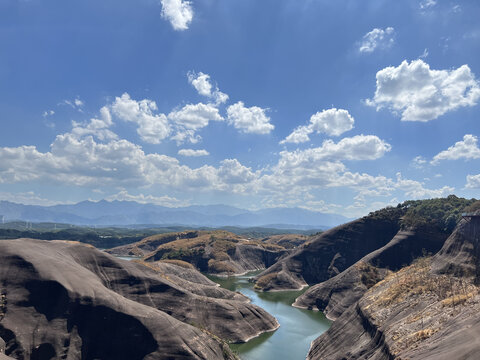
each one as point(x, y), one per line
point(298, 327)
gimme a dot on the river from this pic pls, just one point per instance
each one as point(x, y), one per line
point(298, 327)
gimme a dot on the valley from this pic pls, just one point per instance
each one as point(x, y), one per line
point(401, 282)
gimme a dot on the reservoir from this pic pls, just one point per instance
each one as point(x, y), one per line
point(298, 327)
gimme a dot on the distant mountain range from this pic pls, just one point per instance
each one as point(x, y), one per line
point(125, 213)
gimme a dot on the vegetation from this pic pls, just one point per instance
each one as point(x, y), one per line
point(442, 212)
point(370, 274)
point(473, 207)
point(263, 281)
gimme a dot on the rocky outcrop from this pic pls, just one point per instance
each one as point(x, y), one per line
point(461, 254)
point(150, 243)
point(64, 300)
point(330, 253)
point(337, 294)
point(214, 252)
point(428, 310)
point(288, 241)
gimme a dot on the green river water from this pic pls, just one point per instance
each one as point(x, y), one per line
point(298, 328)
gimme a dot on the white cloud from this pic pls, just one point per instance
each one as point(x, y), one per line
point(194, 153)
point(333, 122)
point(377, 39)
point(166, 200)
point(201, 82)
point(178, 12)
point(76, 104)
point(424, 54)
point(419, 162)
point(249, 120)
point(48, 113)
point(299, 135)
point(27, 198)
point(359, 147)
point(96, 127)
point(231, 171)
point(426, 4)
point(192, 118)
point(415, 190)
point(473, 182)
point(422, 94)
point(186, 135)
point(196, 116)
point(466, 149)
point(152, 128)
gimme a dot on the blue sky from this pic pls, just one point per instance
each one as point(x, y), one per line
point(337, 106)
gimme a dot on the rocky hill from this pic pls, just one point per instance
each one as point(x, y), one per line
point(331, 252)
point(67, 300)
point(214, 252)
point(288, 241)
point(428, 310)
point(338, 293)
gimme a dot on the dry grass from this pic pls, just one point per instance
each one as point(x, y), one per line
point(423, 334)
point(263, 281)
point(409, 281)
point(458, 299)
point(215, 266)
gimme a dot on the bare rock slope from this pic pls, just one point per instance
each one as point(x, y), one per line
point(428, 310)
point(338, 293)
point(331, 252)
point(66, 300)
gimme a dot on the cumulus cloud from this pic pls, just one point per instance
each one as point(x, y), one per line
point(360, 147)
point(152, 128)
point(202, 83)
point(178, 12)
point(473, 182)
point(466, 149)
point(422, 94)
point(249, 119)
point(415, 190)
point(377, 39)
point(195, 116)
point(333, 122)
point(191, 118)
point(98, 127)
point(193, 153)
point(231, 171)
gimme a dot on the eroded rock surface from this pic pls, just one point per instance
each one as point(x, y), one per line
point(330, 253)
point(67, 300)
point(337, 294)
point(428, 310)
point(214, 252)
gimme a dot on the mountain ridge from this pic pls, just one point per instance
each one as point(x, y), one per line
point(124, 213)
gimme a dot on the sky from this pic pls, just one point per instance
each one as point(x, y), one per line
point(341, 106)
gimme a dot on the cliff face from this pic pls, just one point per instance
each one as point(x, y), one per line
point(330, 253)
point(60, 299)
point(461, 254)
point(337, 294)
point(428, 310)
